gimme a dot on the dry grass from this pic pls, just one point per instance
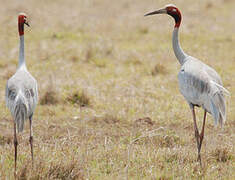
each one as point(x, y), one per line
point(80, 98)
point(109, 106)
point(222, 155)
point(159, 69)
point(50, 96)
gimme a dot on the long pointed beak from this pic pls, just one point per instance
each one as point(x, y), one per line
point(160, 11)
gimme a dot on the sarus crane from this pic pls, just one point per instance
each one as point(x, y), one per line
point(200, 85)
point(21, 92)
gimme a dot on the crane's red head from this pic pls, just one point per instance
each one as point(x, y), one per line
point(22, 19)
point(171, 10)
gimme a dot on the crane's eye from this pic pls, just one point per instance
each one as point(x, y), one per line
point(174, 10)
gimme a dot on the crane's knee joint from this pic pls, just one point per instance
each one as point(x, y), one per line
point(201, 137)
point(15, 142)
point(31, 139)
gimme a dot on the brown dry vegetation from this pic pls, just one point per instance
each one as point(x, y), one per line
point(114, 110)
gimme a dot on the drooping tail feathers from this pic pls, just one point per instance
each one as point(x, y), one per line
point(217, 103)
point(20, 113)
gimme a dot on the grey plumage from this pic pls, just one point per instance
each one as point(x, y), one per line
point(21, 96)
point(202, 86)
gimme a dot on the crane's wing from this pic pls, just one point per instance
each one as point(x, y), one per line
point(201, 89)
point(10, 94)
point(7, 95)
point(221, 88)
point(23, 82)
point(217, 102)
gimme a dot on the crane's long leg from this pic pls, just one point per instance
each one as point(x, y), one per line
point(31, 136)
point(196, 133)
point(15, 145)
point(202, 132)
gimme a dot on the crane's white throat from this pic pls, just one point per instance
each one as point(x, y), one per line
point(21, 53)
point(179, 53)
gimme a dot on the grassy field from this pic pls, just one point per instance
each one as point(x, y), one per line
point(109, 105)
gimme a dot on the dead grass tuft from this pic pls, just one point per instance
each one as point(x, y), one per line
point(67, 171)
point(23, 174)
point(159, 69)
point(5, 140)
point(110, 119)
point(106, 119)
point(99, 50)
point(90, 53)
point(221, 155)
point(144, 30)
point(169, 141)
point(164, 178)
point(79, 98)
point(209, 5)
point(74, 58)
point(50, 97)
point(170, 158)
point(144, 121)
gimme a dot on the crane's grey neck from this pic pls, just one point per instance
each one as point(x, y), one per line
point(21, 54)
point(179, 53)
